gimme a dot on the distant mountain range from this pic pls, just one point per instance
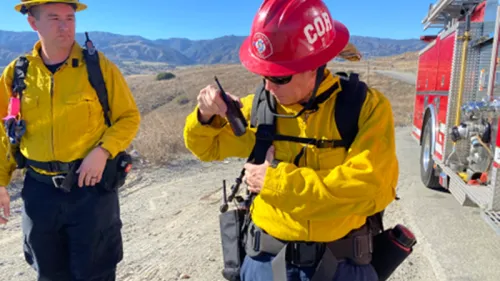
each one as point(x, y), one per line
point(181, 51)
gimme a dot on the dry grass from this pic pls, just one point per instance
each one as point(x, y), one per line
point(165, 104)
point(407, 62)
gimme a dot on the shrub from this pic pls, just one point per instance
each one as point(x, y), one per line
point(165, 76)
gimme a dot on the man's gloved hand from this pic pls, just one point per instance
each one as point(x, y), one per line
point(4, 205)
point(255, 174)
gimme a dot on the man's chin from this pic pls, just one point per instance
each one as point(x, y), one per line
point(65, 42)
point(285, 101)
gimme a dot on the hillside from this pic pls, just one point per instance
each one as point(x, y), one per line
point(135, 54)
point(165, 104)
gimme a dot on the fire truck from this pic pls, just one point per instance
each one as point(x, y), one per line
point(457, 104)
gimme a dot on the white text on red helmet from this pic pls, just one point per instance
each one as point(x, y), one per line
point(320, 26)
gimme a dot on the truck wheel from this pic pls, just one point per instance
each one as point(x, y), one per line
point(427, 170)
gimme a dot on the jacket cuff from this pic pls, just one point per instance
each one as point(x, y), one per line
point(108, 145)
point(211, 128)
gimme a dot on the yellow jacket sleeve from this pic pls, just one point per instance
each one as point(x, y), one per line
point(125, 116)
point(7, 164)
point(205, 140)
point(364, 184)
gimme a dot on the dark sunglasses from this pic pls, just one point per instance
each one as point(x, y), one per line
point(279, 80)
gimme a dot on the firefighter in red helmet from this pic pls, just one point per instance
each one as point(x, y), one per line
point(313, 195)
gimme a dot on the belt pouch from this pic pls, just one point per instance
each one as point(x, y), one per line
point(116, 171)
point(388, 254)
point(233, 251)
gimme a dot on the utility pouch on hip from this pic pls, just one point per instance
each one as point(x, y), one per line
point(116, 171)
point(390, 249)
point(233, 251)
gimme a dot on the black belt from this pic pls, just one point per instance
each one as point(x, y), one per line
point(357, 246)
point(54, 180)
point(52, 166)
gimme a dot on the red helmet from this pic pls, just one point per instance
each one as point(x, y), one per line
point(292, 36)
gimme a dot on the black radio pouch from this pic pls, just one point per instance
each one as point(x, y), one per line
point(233, 252)
point(389, 253)
point(116, 171)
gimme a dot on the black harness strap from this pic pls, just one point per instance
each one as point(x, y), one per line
point(265, 121)
point(96, 79)
point(348, 107)
point(20, 69)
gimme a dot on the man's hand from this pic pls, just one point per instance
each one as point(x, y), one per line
point(4, 204)
point(255, 174)
point(92, 167)
point(211, 103)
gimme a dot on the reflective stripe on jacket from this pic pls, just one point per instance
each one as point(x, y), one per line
point(331, 192)
point(64, 119)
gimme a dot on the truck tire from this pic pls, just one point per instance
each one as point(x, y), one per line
point(427, 171)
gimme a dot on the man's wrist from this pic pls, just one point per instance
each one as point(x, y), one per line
point(203, 119)
point(104, 150)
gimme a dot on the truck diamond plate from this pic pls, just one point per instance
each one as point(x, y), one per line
point(468, 195)
point(493, 219)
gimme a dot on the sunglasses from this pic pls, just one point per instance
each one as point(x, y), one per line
point(279, 80)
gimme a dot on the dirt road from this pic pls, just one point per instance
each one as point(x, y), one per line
point(407, 77)
point(171, 227)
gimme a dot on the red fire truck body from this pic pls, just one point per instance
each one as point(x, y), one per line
point(455, 118)
point(433, 78)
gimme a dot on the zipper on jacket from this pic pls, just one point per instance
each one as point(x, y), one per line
point(52, 75)
point(52, 114)
point(306, 118)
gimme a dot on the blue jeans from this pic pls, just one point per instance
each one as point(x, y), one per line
point(259, 269)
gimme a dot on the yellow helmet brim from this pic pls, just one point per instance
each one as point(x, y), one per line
point(350, 53)
point(79, 6)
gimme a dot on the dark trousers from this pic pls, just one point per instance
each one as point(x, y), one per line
point(260, 269)
point(73, 236)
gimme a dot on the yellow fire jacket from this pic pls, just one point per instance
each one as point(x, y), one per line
point(332, 191)
point(64, 119)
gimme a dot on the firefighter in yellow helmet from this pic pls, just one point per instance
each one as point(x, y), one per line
point(68, 117)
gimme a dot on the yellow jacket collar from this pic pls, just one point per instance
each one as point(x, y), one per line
point(76, 52)
point(328, 81)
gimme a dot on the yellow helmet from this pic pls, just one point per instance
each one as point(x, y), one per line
point(25, 4)
point(350, 53)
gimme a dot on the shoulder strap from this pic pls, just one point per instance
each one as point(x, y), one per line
point(91, 57)
point(348, 106)
point(15, 129)
point(262, 118)
point(20, 69)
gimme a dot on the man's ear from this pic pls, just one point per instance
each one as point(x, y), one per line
point(32, 22)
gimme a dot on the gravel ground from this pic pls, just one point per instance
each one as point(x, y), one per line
point(171, 229)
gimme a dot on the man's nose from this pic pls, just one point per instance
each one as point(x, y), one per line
point(63, 25)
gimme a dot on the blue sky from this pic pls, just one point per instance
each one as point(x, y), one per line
point(201, 19)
